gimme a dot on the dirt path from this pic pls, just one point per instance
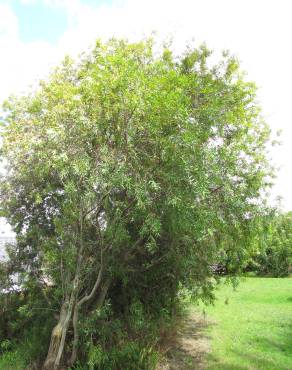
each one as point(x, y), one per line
point(189, 346)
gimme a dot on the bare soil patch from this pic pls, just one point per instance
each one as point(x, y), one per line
point(187, 346)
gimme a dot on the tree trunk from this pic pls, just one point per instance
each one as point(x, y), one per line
point(58, 336)
point(56, 339)
point(59, 332)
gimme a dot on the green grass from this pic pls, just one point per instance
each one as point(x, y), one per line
point(252, 326)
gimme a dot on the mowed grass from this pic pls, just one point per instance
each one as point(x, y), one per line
point(251, 327)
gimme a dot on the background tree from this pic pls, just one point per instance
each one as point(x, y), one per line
point(123, 170)
point(273, 255)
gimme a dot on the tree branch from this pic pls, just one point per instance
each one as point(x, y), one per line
point(96, 284)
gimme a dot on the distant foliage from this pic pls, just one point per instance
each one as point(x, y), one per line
point(274, 258)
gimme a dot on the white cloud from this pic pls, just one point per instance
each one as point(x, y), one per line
point(21, 64)
point(8, 22)
point(257, 31)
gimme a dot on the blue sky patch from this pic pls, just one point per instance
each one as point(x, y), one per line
point(39, 22)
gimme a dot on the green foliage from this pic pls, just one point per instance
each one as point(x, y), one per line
point(13, 360)
point(130, 356)
point(121, 341)
point(135, 166)
point(26, 353)
point(25, 325)
point(274, 258)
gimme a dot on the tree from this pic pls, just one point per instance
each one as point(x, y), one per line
point(127, 166)
point(274, 255)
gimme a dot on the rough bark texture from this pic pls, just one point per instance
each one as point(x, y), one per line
point(56, 337)
point(59, 333)
point(64, 333)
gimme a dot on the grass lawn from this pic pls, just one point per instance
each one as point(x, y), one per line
point(251, 327)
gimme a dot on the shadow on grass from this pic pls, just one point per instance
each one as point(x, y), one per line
point(189, 349)
point(261, 360)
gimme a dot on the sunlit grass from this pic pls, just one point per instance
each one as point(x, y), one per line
point(252, 326)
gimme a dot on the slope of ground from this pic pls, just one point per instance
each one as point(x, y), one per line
point(249, 328)
point(254, 326)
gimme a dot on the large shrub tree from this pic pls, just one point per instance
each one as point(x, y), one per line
point(128, 166)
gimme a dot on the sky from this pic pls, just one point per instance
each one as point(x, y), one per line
point(36, 34)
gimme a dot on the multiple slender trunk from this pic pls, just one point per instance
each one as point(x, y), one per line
point(71, 307)
point(69, 313)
